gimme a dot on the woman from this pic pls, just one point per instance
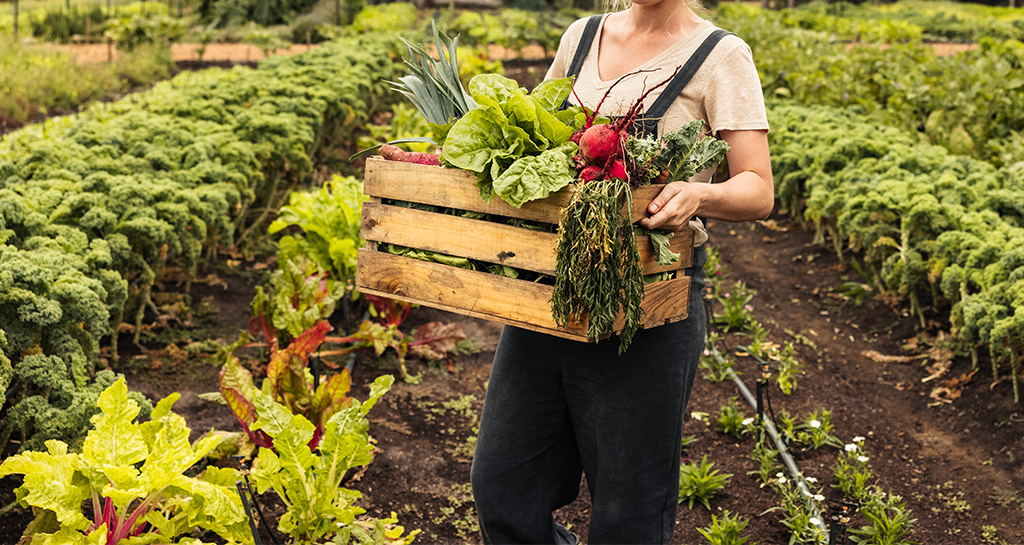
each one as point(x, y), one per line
point(556, 409)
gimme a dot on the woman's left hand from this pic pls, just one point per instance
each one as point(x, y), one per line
point(747, 195)
point(674, 206)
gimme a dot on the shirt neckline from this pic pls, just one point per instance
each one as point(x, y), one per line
point(657, 59)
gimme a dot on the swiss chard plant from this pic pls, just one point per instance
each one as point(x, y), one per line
point(128, 483)
point(317, 508)
point(430, 341)
point(288, 382)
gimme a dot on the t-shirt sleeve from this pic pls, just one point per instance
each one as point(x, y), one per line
point(733, 98)
point(566, 49)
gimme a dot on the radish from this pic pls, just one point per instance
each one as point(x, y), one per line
point(591, 173)
point(395, 153)
point(617, 170)
point(599, 143)
point(602, 145)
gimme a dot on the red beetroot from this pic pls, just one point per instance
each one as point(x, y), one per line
point(600, 143)
point(395, 153)
point(591, 173)
point(617, 170)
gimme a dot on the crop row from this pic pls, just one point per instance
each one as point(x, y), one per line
point(941, 230)
point(96, 209)
point(970, 103)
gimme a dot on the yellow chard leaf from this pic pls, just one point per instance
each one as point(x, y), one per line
point(116, 439)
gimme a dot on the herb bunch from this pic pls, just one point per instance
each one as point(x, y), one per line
point(598, 270)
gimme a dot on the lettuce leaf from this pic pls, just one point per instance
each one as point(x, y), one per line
point(537, 176)
point(507, 126)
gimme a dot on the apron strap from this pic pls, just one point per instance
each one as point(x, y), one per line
point(589, 32)
point(647, 125)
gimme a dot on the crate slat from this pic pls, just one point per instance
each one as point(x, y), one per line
point(492, 242)
point(454, 188)
point(498, 298)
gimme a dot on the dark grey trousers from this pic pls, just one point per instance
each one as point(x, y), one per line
point(556, 409)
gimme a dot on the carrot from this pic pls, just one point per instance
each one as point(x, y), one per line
point(395, 153)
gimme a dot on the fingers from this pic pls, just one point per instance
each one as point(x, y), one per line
point(670, 210)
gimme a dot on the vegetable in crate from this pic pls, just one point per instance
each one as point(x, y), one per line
point(598, 270)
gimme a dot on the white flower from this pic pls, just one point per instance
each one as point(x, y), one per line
point(782, 480)
point(858, 439)
point(815, 424)
point(862, 459)
point(748, 421)
point(819, 497)
point(779, 474)
point(815, 521)
point(850, 447)
point(811, 480)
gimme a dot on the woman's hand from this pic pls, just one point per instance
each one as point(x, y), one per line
point(748, 194)
point(674, 206)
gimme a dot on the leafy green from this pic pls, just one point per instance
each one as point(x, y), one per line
point(536, 176)
point(316, 506)
point(329, 219)
point(507, 125)
point(137, 472)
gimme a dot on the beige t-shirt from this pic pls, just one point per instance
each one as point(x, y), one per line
point(725, 92)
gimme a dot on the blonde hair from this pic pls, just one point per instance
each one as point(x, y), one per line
point(697, 6)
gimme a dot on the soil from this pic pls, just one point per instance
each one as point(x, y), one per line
point(952, 453)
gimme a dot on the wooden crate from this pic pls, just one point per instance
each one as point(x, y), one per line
point(479, 294)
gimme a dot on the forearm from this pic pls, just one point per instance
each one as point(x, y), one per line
point(745, 196)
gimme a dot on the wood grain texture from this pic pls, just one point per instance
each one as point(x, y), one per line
point(498, 298)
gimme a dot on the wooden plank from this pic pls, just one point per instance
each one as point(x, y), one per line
point(471, 293)
point(498, 243)
point(498, 298)
point(456, 188)
point(450, 188)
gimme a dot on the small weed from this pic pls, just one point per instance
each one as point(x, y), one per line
point(765, 456)
point(466, 524)
point(1008, 498)
point(989, 535)
point(952, 500)
point(718, 366)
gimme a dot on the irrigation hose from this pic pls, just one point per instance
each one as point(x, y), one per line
point(780, 445)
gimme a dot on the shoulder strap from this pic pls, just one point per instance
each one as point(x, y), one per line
point(589, 32)
point(586, 40)
point(653, 115)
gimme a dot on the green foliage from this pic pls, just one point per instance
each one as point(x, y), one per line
point(699, 483)
point(39, 81)
point(133, 474)
point(731, 419)
point(288, 382)
point(6, 371)
point(316, 506)
point(718, 365)
point(598, 267)
point(725, 531)
point(816, 430)
point(130, 32)
point(329, 220)
point(516, 143)
point(59, 26)
point(736, 311)
point(933, 228)
point(223, 13)
point(891, 522)
point(852, 473)
point(301, 294)
point(95, 208)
